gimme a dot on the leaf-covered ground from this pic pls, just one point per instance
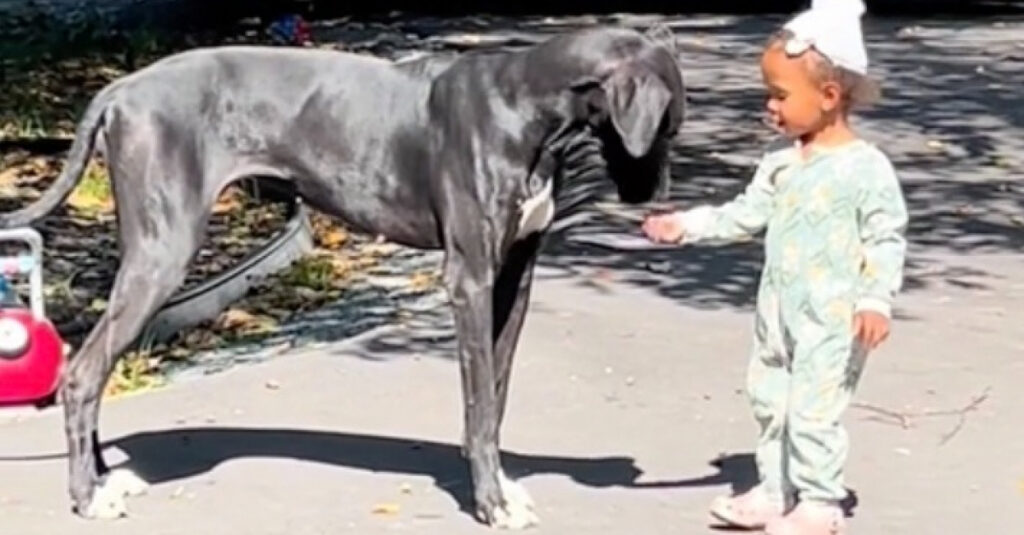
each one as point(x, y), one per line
point(81, 258)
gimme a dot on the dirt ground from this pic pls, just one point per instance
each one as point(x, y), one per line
point(626, 410)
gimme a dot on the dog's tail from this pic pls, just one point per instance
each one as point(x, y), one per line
point(77, 160)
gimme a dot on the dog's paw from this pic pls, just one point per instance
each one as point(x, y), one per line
point(518, 512)
point(126, 482)
point(108, 500)
point(106, 505)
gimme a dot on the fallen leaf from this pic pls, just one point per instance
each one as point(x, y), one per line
point(334, 238)
point(240, 321)
point(227, 202)
point(232, 318)
point(386, 509)
point(423, 280)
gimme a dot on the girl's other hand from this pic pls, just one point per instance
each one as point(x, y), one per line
point(871, 328)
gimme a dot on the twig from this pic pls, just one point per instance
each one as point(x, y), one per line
point(962, 416)
point(901, 418)
point(906, 419)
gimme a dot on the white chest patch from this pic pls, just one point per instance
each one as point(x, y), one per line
point(537, 212)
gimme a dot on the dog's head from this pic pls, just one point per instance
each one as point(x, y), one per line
point(633, 106)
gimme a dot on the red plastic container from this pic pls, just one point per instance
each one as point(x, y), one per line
point(31, 357)
point(31, 350)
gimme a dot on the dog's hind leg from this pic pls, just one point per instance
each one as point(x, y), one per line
point(159, 234)
point(147, 277)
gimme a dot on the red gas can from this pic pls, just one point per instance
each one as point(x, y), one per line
point(31, 350)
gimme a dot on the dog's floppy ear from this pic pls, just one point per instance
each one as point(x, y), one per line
point(637, 99)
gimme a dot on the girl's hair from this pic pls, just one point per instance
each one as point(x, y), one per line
point(857, 89)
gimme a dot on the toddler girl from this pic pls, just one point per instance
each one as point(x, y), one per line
point(834, 214)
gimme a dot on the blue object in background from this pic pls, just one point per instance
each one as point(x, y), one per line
point(8, 294)
point(5, 290)
point(290, 30)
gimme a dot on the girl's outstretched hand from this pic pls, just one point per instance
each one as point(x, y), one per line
point(664, 227)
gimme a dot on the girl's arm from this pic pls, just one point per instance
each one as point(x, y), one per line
point(744, 216)
point(883, 220)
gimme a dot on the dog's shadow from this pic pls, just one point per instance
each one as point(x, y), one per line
point(163, 456)
point(169, 455)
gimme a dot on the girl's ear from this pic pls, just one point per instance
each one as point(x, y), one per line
point(832, 96)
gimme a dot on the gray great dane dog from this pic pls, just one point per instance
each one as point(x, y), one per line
point(462, 153)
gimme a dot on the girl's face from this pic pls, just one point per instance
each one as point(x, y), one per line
point(798, 104)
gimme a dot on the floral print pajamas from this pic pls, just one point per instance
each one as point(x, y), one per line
point(833, 247)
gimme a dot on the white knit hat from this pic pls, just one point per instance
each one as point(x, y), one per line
point(833, 28)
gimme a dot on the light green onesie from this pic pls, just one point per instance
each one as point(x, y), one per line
point(834, 246)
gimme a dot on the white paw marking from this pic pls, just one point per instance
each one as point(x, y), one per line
point(518, 512)
point(536, 213)
point(108, 501)
point(127, 482)
point(106, 504)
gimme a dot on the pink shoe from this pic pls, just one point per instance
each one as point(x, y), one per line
point(751, 510)
point(809, 518)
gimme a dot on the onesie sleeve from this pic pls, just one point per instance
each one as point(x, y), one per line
point(882, 220)
point(740, 218)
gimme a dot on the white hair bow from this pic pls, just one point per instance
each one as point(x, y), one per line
point(833, 28)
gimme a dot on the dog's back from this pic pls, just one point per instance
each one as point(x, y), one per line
point(251, 75)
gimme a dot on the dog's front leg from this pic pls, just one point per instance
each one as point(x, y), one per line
point(470, 278)
point(511, 299)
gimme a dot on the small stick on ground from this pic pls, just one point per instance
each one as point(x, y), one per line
point(906, 419)
point(962, 415)
point(902, 419)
